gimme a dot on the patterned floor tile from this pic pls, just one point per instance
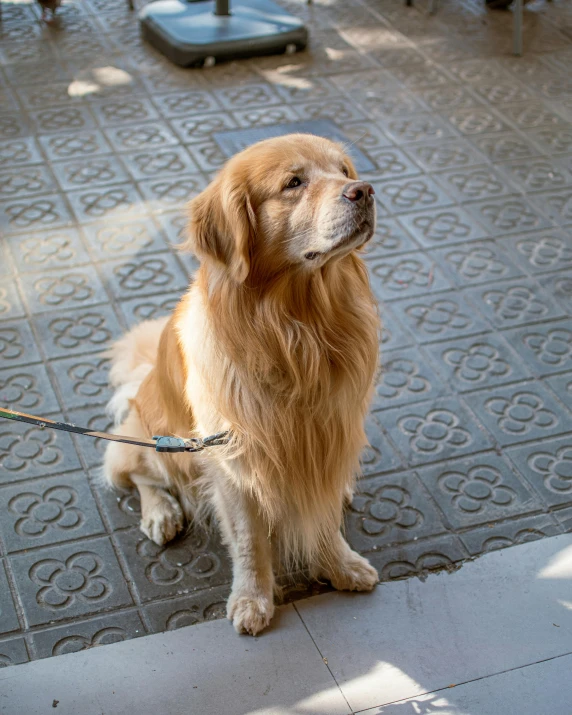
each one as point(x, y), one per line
point(143, 275)
point(175, 613)
point(433, 431)
point(74, 145)
point(111, 239)
point(11, 306)
point(557, 205)
point(170, 194)
point(503, 147)
point(107, 202)
point(471, 363)
point(508, 215)
point(379, 456)
point(151, 135)
point(34, 214)
point(75, 637)
point(406, 275)
point(181, 104)
point(17, 345)
point(439, 227)
point(416, 128)
point(412, 194)
point(441, 317)
point(509, 533)
point(63, 290)
point(417, 558)
point(478, 262)
point(546, 348)
point(537, 175)
point(547, 466)
point(62, 119)
point(27, 388)
point(520, 413)
point(478, 490)
point(191, 563)
point(121, 507)
point(48, 511)
point(559, 286)
point(85, 173)
point(125, 111)
point(13, 652)
point(473, 183)
point(28, 452)
point(150, 164)
point(69, 581)
point(25, 181)
point(406, 376)
point(51, 249)
point(516, 302)
point(19, 152)
point(390, 238)
point(142, 308)
point(542, 252)
point(446, 154)
point(389, 510)
point(392, 163)
point(83, 381)
point(76, 332)
point(561, 385)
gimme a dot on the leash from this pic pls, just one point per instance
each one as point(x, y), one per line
point(159, 444)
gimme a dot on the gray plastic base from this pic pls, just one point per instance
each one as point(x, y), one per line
point(190, 33)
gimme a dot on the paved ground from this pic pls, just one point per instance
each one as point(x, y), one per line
point(470, 150)
point(453, 645)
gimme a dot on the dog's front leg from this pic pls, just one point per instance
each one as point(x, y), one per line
point(343, 567)
point(251, 603)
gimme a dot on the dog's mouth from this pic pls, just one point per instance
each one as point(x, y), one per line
point(360, 236)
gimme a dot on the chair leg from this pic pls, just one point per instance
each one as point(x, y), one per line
point(517, 29)
point(409, 3)
point(433, 6)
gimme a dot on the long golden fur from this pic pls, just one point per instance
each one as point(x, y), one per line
point(277, 341)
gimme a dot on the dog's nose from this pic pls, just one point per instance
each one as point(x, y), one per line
point(357, 191)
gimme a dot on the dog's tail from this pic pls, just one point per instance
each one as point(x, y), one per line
point(132, 359)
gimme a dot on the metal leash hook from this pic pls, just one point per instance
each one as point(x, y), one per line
point(194, 444)
point(159, 443)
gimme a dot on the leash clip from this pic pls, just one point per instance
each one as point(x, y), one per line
point(195, 444)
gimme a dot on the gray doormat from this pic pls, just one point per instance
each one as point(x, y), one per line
point(232, 142)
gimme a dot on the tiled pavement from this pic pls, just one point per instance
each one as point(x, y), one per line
point(102, 142)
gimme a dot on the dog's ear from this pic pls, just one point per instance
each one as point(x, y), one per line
point(222, 225)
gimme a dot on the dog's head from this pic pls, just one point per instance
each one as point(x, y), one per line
point(292, 201)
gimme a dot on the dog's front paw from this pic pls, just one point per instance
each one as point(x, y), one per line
point(354, 574)
point(164, 521)
point(250, 614)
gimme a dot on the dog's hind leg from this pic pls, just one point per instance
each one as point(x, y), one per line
point(251, 603)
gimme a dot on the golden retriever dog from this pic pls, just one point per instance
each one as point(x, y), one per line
point(276, 340)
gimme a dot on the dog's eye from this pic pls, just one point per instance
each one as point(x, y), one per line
point(294, 182)
point(345, 171)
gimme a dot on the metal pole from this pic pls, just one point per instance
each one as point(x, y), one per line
point(517, 39)
point(222, 7)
